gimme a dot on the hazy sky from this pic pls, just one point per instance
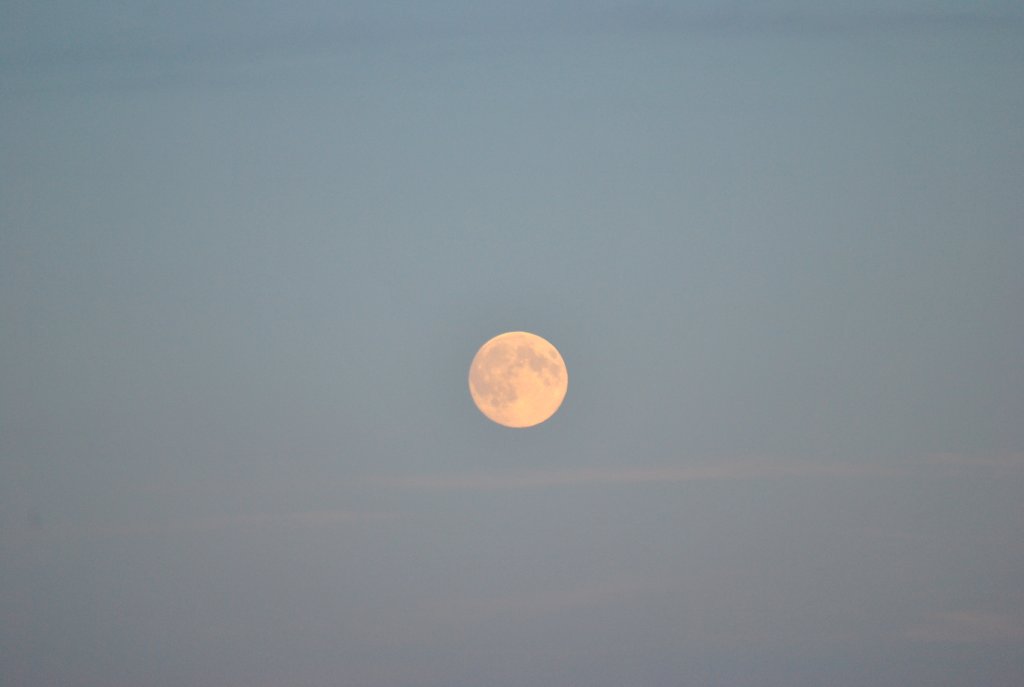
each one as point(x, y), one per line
point(248, 250)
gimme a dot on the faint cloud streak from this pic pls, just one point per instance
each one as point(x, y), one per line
point(968, 627)
point(542, 479)
point(463, 610)
point(306, 519)
point(1007, 461)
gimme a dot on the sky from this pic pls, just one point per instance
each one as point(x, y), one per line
point(248, 251)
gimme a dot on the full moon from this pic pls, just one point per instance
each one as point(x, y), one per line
point(518, 379)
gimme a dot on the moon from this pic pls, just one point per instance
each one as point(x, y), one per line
point(518, 379)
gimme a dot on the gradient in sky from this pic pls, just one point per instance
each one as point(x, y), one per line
point(247, 253)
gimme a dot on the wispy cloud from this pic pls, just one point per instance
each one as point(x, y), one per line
point(305, 519)
point(196, 36)
point(969, 627)
point(722, 470)
point(1004, 461)
point(541, 479)
point(779, 18)
point(465, 609)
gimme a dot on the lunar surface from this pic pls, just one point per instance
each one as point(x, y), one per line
point(518, 379)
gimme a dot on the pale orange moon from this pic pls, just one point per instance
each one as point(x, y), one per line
point(518, 379)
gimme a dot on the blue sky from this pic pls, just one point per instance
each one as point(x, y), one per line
point(247, 253)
